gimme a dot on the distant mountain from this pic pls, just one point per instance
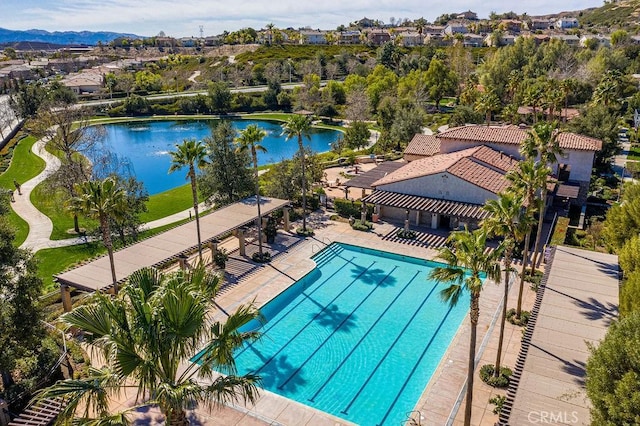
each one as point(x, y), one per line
point(61, 37)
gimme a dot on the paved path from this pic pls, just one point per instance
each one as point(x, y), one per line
point(40, 226)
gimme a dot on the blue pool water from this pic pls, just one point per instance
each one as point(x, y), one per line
point(358, 337)
point(145, 146)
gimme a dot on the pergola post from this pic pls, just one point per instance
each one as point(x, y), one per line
point(213, 245)
point(285, 217)
point(417, 217)
point(65, 295)
point(434, 220)
point(406, 221)
point(241, 244)
point(182, 261)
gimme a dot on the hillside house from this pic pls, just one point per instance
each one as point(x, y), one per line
point(313, 37)
point(566, 23)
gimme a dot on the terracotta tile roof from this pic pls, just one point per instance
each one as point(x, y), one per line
point(495, 159)
point(425, 166)
point(480, 166)
point(514, 135)
point(425, 145)
point(479, 175)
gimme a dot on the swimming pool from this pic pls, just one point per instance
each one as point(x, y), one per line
point(358, 337)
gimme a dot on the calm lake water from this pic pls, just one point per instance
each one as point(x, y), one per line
point(143, 147)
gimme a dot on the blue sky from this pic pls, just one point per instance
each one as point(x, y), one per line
point(183, 17)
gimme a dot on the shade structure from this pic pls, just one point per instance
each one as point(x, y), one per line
point(167, 246)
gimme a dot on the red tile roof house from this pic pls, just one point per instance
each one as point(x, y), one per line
point(452, 174)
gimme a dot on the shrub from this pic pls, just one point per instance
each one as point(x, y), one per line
point(264, 258)
point(502, 381)
point(407, 234)
point(358, 225)
point(533, 280)
point(305, 232)
point(220, 258)
point(523, 320)
point(560, 231)
point(498, 401)
point(347, 208)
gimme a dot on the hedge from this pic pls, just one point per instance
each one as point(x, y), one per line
point(347, 208)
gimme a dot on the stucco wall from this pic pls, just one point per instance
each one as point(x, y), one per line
point(443, 186)
point(581, 162)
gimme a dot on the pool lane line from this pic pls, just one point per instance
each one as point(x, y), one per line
point(345, 319)
point(364, 336)
point(306, 296)
point(415, 366)
point(292, 338)
point(346, 409)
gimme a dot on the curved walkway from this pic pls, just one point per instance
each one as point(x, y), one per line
point(41, 227)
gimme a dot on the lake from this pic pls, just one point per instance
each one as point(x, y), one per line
point(143, 147)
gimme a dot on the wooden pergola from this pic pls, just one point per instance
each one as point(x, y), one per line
point(167, 246)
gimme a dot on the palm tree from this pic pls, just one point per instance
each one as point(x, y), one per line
point(147, 335)
point(300, 126)
point(194, 155)
point(542, 145)
point(527, 179)
point(505, 220)
point(249, 140)
point(467, 258)
point(101, 200)
point(487, 104)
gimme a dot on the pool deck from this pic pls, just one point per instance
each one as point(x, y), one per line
point(436, 405)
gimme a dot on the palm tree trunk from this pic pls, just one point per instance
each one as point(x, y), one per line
point(176, 418)
point(76, 224)
point(503, 317)
point(523, 271)
point(255, 168)
point(474, 315)
point(106, 239)
point(304, 186)
point(194, 193)
point(543, 204)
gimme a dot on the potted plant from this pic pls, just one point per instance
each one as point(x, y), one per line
point(271, 230)
point(220, 258)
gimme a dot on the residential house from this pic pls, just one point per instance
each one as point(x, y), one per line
point(472, 16)
point(570, 39)
point(366, 23)
point(348, 37)
point(188, 42)
point(496, 39)
point(438, 39)
point(212, 41)
point(411, 38)
point(601, 40)
point(378, 37)
point(313, 37)
point(472, 40)
point(511, 25)
point(85, 82)
point(566, 23)
point(539, 24)
point(421, 146)
point(456, 28)
point(18, 72)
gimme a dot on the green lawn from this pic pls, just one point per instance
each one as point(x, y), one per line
point(24, 166)
point(167, 203)
point(56, 260)
point(634, 152)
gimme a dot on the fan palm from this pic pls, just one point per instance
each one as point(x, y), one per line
point(541, 143)
point(193, 155)
point(299, 126)
point(505, 220)
point(101, 200)
point(466, 260)
point(147, 336)
point(249, 140)
point(527, 179)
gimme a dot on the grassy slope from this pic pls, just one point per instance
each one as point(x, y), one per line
point(24, 166)
point(621, 14)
